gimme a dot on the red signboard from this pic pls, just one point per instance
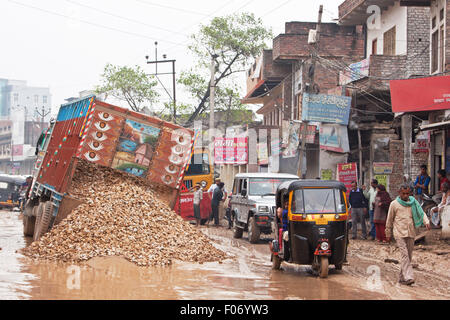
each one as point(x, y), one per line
point(421, 94)
point(230, 151)
point(346, 173)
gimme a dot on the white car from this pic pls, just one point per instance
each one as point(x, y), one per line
point(252, 202)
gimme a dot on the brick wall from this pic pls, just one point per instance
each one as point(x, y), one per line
point(347, 6)
point(273, 70)
point(335, 41)
point(418, 55)
point(386, 67)
point(396, 156)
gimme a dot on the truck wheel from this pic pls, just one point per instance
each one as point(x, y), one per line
point(253, 230)
point(338, 266)
point(276, 262)
point(46, 217)
point(37, 226)
point(28, 225)
point(237, 232)
point(323, 268)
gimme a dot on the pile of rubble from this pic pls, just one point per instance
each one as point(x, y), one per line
point(121, 215)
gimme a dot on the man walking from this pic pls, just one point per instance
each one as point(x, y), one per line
point(370, 195)
point(358, 204)
point(211, 194)
point(404, 215)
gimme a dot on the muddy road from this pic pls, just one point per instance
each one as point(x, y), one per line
point(247, 276)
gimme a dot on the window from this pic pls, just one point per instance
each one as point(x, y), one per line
point(389, 42)
point(198, 168)
point(16, 98)
point(434, 51)
point(374, 46)
point(318, 201)
point(44, 99)
point(36, 99)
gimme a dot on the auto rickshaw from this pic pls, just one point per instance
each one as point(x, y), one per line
point(316, 225)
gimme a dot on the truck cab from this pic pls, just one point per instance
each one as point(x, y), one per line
point(252, 202)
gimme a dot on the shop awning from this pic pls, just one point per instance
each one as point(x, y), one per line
point(435, 126)
point(420, 94)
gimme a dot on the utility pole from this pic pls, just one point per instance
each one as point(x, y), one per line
point(212, 86)
point(300, 172)
point(42, 114)
point(156, 74)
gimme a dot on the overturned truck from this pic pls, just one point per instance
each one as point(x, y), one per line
point(91, 130)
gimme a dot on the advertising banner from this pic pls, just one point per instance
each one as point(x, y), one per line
point(230, 150)
point(382, 179)
point(326, 174)
point(383, 167)
point(334, 137)
point(346, 173)
point(421, 94)
point(358, 70)
point(326, 108)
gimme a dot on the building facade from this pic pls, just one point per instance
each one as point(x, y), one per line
point(24, 114)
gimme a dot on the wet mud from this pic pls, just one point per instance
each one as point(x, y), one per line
point(246, 276)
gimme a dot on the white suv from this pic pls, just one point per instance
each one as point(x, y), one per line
point(253, 202)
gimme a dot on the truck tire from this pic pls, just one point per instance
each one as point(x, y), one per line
point(28, 225)
point(46, 217)
point(37, 226)
point(253, 230)
point(28, 219)
point(237, 232)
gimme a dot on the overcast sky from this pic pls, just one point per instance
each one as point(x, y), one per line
point(65, 44)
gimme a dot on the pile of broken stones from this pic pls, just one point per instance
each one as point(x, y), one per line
point(122, 215)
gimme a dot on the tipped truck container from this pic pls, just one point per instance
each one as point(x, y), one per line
point(110, 136)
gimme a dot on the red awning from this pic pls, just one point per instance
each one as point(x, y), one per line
point(421, 94)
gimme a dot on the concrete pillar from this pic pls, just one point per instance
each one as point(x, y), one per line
point(407, 140)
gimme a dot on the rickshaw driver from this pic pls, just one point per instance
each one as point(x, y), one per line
point(283, 216)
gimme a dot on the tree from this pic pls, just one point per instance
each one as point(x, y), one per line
point(233, 40)
point(129, 84)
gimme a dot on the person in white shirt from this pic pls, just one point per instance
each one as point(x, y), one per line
point(198, 196)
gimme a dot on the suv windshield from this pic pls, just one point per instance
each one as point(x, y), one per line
point(318, 201)
point(264, 186)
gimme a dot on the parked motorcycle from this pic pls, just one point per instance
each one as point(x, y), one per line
point(427, 203)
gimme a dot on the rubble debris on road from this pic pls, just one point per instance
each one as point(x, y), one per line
point(122, 216)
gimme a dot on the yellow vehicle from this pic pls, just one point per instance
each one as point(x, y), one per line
point(313, 230)
point(200, 170)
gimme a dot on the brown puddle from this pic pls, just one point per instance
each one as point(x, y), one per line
point(249, 276)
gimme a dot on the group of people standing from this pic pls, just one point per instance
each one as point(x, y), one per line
point(217, 194)
point(397, 218)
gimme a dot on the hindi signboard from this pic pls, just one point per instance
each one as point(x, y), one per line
point(231, 150)
point(346, 173)
point(326, 174)
point(326, 108)
point(383, 167)
point(358, 70)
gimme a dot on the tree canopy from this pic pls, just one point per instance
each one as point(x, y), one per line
point(129, 84)
point(232, 40)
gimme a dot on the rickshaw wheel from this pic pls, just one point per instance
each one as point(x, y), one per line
point(276, 262)
point(323, 270)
